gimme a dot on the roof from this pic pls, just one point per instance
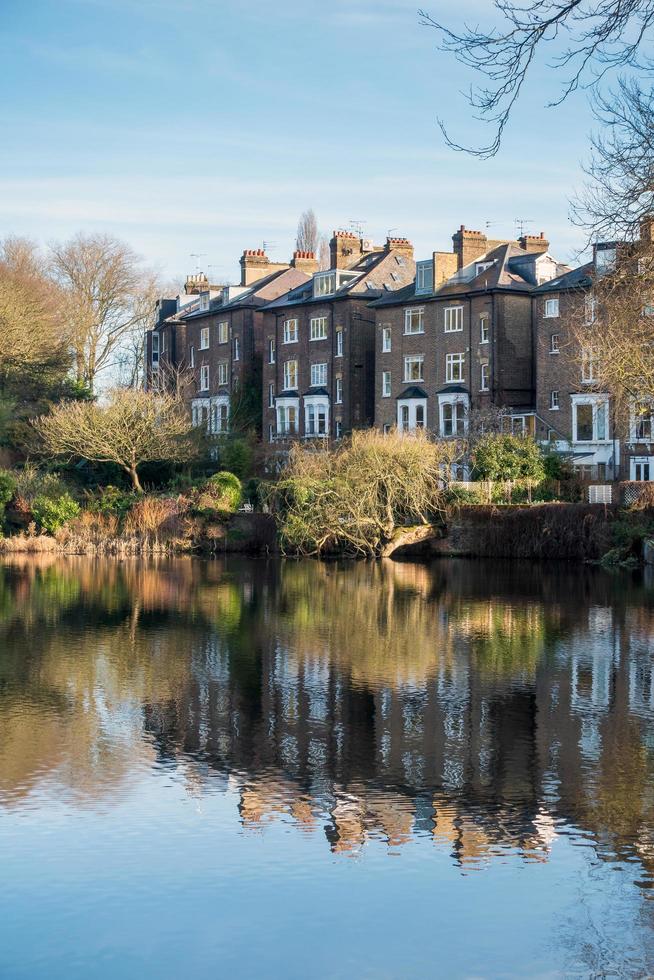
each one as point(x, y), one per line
point(578, 278)
point(412, 392)
point(256, 294)
point(507, 272)
point(453, 390)
point(377, 272)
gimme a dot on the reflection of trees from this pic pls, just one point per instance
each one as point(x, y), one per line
point(376, 700)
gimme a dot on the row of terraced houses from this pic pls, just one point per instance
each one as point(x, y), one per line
point(380, 339)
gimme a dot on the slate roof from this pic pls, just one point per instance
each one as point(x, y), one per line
point(579, 278)
point(255, 295)
point(412, 392)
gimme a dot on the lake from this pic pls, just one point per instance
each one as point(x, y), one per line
point(245, 768)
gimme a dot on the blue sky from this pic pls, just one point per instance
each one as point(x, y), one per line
point(206, 126)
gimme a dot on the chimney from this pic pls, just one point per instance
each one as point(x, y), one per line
point(534, 243)
point(345, 250)
point(400, 245)
point(195, 284)
point(255, 264)
point(305, 262)
point(647, 228)
point(468, 245)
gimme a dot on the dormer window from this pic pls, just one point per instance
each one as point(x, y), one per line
point(605, 259)
point(204, 301)
point(424, 277)
point(482, 266)
point(327, 283)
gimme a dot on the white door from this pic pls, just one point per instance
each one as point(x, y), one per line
point(642, 468)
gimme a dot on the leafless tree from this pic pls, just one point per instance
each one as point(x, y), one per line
point(132, 428)
point(108, 297)
point(307, 232)
point(620, 174)
point(588, 38)
point(324, 255)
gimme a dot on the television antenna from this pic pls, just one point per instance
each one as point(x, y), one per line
point(197, 256)
point(521, 224)
point(267, 245)
point(356, 224)
point(390, 232)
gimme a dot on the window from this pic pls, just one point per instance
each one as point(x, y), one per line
point(339, 429)
point(386, 384)
point(453, 418)
point(413, 367)
point(386, 428)
point(641, 425)
point(552, 307)
point(589, 365)
point(339, 343)
point(403, 421)
point(204, 338)
point(484, 328)
point(484, 376)
point(325, 284)
point(287, 417)
point(590, 310)
point(554, 343)
point(414, 320)
point(223, 332)
point(223, 372)
point(642, 468)
point(271, 433)
point(290, 331)
point(204, 377)
point(271, 395)
point(318, 375)
point(339, 390)
point(590, 418)
point(420, 416)
point(424, 277)
point(482, 266)
point(155, 350)
point(271, 351)
point(315, 419)
point(290, 375)
point(454, 367)
point(453, 319)
point(318, 328)
point(192, 357)
point(554, 401)
point(605, 260)
point(221, 418)
point(237, 349)
point(386, 340)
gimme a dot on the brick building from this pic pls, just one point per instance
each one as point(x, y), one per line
point(218, 339)
point(575, 415)
point(319, 341)
point(459, 338)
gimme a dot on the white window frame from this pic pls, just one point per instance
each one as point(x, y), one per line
point(283, 422)
point(484, 328)
point(551, 308)
point(386, 384)
point(156, 350)
point(411, 314)
point(453, 319)
point(455, 360)
point(271, 395)
point(339, 343)
point(411, 414)
point(424, 276)
point(223, 373)
point(387, 340)
point(339, 391)
point(272, 352)
point(290, 375)
point(318, 328)
point(204, 377)
point(484, 376)
point(600, 406)
point(237, 349)
point(223, 332)
point(453, 402)
point(635, 420)
point(290, 331)
point(589, 366)
point(555, 404)
point(316, 416)
point(319, 374)
point(410, 359)
point(555, 339)
point(636, 461)
point(192, 356)
point(204, 338)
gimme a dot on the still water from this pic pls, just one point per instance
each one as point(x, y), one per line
point(298, 770)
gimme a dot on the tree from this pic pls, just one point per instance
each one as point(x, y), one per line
point(508, 458)
point(307, 237)
point(108, 299)
point(324, 254)
point(132, 428)
point(598, 36)
point(620, 173)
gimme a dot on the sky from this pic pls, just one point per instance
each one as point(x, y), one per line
point(193, 129)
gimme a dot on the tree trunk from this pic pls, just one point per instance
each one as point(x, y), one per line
point(136, 483)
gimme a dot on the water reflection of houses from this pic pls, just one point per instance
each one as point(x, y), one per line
point(377, 702)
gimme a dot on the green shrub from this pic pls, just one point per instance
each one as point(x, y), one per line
point(51, 513)
point(236, 456)
point(224, 490)
point(30, 482)
point(508, 458)
point(112, 501)
point(252, 492)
